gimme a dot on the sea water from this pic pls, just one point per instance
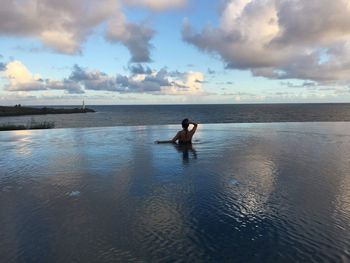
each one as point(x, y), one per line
point(126, 115)
point(242, 193)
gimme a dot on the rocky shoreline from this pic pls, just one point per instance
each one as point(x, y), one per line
point(20, 110)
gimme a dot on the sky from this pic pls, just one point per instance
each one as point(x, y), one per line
point(112, 52)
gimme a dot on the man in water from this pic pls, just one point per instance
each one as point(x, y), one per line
point(184, 137)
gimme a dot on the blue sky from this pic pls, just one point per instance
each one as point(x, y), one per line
point(177, 51)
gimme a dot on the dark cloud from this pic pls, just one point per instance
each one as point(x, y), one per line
point(2, 64)
point(139, 69)
point(152, 81)
point(67, 85)
point(92, 80)
point(127, 85)
point(139, 42)
point(136, 37)
point(162, 81)
point(79, 74)
point(210, 71)
point(32, 86)
point(122, 81)
point(150, 84)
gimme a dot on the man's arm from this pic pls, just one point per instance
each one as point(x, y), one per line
point(193, 130)
point(170, 141)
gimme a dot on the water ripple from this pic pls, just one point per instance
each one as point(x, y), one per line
point(273, 193)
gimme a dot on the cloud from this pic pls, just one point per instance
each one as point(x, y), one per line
point(162, 82)
point(92, 80)
point(80, 80)
point(68, 86)
point(63, 25)
point(60, 25)
point(134, 36)
point(305, 84)
point(141, 80)
point(21, 79)
point(243, 96)
point(158, 5)
point(142, 85)
point(139, 69)
point(77, 82)
point(190, 83)
point(277, 39)
point(211, 71)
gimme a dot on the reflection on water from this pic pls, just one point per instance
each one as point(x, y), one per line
point(254, 193)
point(188, 152)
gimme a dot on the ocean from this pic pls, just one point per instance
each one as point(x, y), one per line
point(139, 115)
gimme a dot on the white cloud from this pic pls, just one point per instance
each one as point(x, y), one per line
point(22, 80)
point(281, 38)
point(63, 25)
point(60, 25)
point(158, 5)
point(61, 41)
point(190, 83)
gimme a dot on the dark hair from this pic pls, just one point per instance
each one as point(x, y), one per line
point(185, 124)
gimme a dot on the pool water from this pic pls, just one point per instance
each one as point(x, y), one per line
point(242, 193)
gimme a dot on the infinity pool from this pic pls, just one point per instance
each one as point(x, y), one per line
point(242, 193)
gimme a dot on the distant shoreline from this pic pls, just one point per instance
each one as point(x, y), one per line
point(6, 111)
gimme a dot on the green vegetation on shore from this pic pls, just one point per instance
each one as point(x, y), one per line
point(11, 127)
point(30, 126)
point(19, 110)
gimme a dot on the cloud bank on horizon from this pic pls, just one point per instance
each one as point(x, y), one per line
point(281, 39)
point(308, 41)
point(140, 80)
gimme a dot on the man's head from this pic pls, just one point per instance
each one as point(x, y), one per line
point(185, 124)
